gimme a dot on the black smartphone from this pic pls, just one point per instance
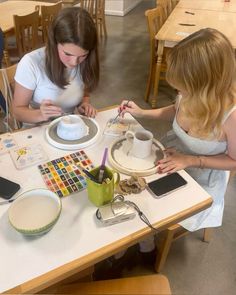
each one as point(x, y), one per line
point(166, 184)
point(8, 188)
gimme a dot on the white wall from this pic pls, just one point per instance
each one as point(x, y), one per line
point(120, 7)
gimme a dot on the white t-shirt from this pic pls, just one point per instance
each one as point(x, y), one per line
point(31, 74)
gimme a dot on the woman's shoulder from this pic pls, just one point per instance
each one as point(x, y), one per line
point(31, 66)
point(229, 119)
point(34, 57)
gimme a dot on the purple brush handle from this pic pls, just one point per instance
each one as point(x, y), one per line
point(104, 157)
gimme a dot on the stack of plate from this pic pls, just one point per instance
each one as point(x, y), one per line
point(35, 212)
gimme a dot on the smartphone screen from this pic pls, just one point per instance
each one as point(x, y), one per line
point(166, 184)
point(8, 188)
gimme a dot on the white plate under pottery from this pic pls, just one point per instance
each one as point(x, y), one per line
point(90, 138)
point(121, 158)
point(35, 212)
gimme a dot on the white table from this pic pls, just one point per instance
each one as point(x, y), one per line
point(78, 240)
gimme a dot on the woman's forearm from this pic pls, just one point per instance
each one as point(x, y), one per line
point(27, 115)
point(165, 113)
point(220, 162)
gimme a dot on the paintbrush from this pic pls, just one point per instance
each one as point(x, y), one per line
point(125, 105)
point(102, 167)
point(75, 165)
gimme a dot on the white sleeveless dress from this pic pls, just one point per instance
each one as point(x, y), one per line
point(213, 181)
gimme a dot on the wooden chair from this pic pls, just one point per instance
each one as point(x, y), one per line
point(168, 236)
point(48, 13)
point(101, 19)
point(149, 284)
point(174, 3)
point(90, 6)
point(96, 9)
point(168, 6)
point(26, 32)
point(154, 20)
point(6, 86)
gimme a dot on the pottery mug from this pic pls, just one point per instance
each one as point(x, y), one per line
point(141, 143)
point(71, 127)
point(102, 193)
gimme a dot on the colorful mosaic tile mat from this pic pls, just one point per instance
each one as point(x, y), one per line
point(60, 176)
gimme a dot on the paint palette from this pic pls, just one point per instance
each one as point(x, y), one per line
point(61, 176)
point(7, 143)
point(29, 155)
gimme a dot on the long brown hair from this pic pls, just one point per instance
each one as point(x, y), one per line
point(203, 66)
point(73, 25)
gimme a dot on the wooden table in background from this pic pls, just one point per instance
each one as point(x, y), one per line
point(173, 32)
point(219, 5)
point(10, 8)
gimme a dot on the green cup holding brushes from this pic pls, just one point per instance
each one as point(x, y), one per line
point(102, 184)
point(102, 193)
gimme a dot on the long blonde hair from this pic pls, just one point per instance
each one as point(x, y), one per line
point(203, 66)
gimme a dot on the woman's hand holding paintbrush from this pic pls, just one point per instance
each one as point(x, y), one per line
point(120, 109)
point(128, 106)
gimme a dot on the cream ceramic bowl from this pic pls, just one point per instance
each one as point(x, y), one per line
point(71, 127)
point(35, 212)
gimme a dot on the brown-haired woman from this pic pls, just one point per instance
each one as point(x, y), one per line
point(56, 79)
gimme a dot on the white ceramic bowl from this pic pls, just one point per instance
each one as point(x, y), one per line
point(71, 127)
point(35, 212)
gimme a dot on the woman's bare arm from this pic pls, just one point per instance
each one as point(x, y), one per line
point(22, 111)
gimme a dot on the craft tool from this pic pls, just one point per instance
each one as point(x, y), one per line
point(102, 167)
point(63, 179)
point(125, 105)
point(86, 172)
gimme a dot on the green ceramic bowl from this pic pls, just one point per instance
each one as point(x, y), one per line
point(35, 212)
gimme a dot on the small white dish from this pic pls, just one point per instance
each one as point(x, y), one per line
point(71, 127)
point(35, 212)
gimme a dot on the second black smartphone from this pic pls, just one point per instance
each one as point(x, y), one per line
point(8, 188)
point(166, 184)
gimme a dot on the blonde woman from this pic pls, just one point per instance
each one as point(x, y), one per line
point(202, 67)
